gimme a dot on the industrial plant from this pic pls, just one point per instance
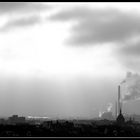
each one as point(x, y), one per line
point(120, 119)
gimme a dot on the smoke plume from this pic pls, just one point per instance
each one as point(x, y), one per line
point(130, 87)
point(108, 109)
point(100, 114)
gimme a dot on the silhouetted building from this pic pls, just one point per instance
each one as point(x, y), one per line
point(120, 118)
point(3, 121)
point(130, 121)
point(136, 117)
point(15, 119)
point(47, 124)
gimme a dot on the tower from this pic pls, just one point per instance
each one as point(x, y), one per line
point(120, 119)
point(116, 111)
point(118, 99)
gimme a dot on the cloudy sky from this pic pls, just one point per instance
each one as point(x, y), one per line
point(66, 59)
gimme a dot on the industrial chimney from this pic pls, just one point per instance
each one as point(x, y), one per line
point(120, 119)
point(119, 107)
point(116, 111)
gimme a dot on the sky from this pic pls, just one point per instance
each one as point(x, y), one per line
point(64, 60)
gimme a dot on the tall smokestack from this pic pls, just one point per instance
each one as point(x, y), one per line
point(116, 112)
point(119, 99)
point(120, 107)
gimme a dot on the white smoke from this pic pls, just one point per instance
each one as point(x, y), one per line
point(109, 107)
point(130, 87)
point(100, 114)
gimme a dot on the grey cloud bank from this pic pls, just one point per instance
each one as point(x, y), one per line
point(26, 7)
point(129, 55)
point(100, 25)
point(21, 22)
point(105, 25)
point(30, 10)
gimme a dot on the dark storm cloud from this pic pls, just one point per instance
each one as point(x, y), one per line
point(21, 22)
point(14, 7)
point(99, 25)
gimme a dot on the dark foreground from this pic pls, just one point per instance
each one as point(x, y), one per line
point(70, 129)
